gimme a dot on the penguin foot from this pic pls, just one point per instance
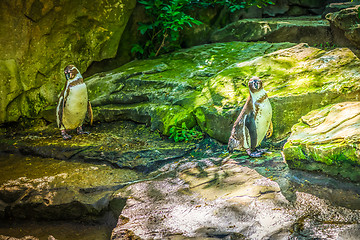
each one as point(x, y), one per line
point(256, 153)
point(65, 136)
point(79, 131)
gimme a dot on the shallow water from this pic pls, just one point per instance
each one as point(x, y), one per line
point(15, 167)
point(59, 230)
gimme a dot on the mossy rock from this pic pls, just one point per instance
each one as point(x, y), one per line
point(347, 20)
point(207, 85)
point(297, 79)
point(327, 140)
point(173, 88)
point(312, 30)
point(49, 36)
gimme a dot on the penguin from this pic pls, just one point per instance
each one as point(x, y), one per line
point(73, 103)
point(254, 121)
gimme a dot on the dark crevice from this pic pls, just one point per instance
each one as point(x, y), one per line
point(32, 20)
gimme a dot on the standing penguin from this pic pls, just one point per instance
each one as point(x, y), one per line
point(73, 103)
point(254, 121)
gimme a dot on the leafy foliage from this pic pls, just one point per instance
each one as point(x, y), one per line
point(169, 17)
point(325, 46)
point(184, 134)
point(233, 5)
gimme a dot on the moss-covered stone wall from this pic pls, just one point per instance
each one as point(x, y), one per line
point(39, 38)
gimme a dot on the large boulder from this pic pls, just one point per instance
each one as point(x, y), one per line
point(229, 201)
point(338, 6)
point(207, 86)
point(312, 30)
point(168, 91)
point(297, 79)
point(347, 20)
point(39, 38)
point(327, 139)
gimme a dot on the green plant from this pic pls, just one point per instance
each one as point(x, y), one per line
point(235, 5)
point(325, 46)
point(232, 5)
point(183, 133)
point(169, 17)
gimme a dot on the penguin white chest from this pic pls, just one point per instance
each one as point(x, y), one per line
point(75, 106)
point(263, 114)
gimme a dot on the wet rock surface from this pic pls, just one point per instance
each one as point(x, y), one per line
point(46, 230)
point(328, 140)
point(40, 188)
point(44, 196)
point(119, 144)
point(216, 198)
point(204, 194)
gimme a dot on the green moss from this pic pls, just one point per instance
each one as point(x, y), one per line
point(200, 116)
point(173, 116)
point(202, 120)
point(332, 158)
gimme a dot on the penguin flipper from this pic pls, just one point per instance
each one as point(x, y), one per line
point(90, 112)
point(251, 126)
point(60, 112)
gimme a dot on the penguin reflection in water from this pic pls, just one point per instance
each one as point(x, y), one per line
point(73, 103)
point(254, 121)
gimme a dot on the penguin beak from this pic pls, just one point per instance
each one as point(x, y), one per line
point(256, 84)
point(67, 75)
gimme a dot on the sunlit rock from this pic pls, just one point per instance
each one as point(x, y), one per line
point(230, 201)
point(328, 140)
point(297, 79)
point(217, 201)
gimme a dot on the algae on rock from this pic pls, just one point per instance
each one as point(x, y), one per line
point(327, 139)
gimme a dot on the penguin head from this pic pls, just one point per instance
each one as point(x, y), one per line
point(70, 72)
point(255, 84)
